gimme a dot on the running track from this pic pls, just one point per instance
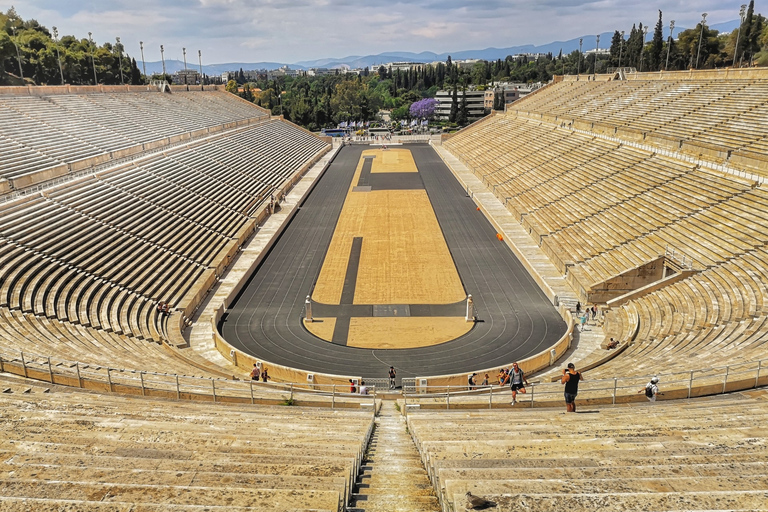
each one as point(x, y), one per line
point(516, 319)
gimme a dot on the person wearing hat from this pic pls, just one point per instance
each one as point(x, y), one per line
point(571, 379)
point(651, 389)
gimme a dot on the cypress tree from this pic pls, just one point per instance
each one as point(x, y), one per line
point(657, 45)
point(454, 105)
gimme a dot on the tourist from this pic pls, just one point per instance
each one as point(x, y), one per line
point(264, 375)
point(255, 372)
point(392, 375)
point(651, 390)
point(571, 379)
point(517, 381)
point(471, 382)
point(363, 388)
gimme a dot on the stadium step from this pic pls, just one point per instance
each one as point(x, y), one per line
point(392, 477)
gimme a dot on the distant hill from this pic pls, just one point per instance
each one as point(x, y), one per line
point(374, 61)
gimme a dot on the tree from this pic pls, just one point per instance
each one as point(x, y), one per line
point(463, 114)
point(232, 87)
point(657, 44)
point(423, 109)
point(454, 105)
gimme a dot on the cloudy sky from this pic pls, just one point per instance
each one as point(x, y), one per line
point(296, 30)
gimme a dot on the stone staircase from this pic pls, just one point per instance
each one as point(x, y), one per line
point(392, 477)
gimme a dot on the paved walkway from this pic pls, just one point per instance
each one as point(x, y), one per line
point(393, 478)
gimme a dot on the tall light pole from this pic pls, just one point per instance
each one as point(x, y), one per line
point(143, 64)
point(93, 62)
point(621, 47)
point(669, 43)
point(162, 57)
point(701, 36)
point(18, 53)
point(119, 49)
point(642, 48)
point(200, 61)
point(742, 13)
point(597, 47)
point(58, 57)
point(578, 66)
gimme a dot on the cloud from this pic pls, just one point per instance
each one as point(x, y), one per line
point(295, 30)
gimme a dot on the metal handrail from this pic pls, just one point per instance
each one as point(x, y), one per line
point(129, 381)
point(683, 384)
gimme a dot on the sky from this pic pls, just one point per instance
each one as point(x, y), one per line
point(297, 30)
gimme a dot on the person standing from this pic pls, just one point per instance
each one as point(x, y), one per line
point(471, 381)
point(517, 381)
point(255, 372)
point(392, 375)
point(571, 379)
point(651, 390)
point(264, 375)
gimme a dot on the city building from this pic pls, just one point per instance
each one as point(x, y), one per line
point(186, 77)
point(475, 104)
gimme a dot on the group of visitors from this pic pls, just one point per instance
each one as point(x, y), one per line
point(257, 373)
point(584, 316)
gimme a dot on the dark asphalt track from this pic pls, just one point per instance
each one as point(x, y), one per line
point(516, 319)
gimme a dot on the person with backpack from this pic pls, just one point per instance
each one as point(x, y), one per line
point(517, 381)
point(651, 390)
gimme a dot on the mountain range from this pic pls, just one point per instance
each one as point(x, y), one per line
point(589, 42)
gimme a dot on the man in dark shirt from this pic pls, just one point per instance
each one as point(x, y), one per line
point(571, 380)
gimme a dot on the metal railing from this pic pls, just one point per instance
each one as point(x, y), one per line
point(183, 387)
point(678, 385)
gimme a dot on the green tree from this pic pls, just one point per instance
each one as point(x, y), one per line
point(657, 45)
point(453, 114)
point(231, 87)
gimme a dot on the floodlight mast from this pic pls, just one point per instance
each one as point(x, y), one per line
point(143, 64)
point(669, 44)
point(597, 48)
point(701, 36)
point(93, 62)
point(58, 56)
point(621, 47)
point(578, 66)
point(18, 53)
point(162, 57)
point(120, 55)
point(742, 14)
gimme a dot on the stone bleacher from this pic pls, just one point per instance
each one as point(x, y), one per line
point(83, 265)
point(588, 169)
point(88, 451)
point(49, 135)
point(670, 456)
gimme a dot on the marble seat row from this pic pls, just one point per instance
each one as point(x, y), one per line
point(154, 454)
point(726, 114)
point(661, 456)
point(77, 253)
point(38, 132)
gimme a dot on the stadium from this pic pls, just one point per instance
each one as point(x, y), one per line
point(158, 243)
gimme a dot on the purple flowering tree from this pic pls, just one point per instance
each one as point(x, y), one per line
point(423, 109)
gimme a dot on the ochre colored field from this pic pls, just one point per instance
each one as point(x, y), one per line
point(404, 332)
point(404, 257)
point(321, 327)
point(392, 160)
